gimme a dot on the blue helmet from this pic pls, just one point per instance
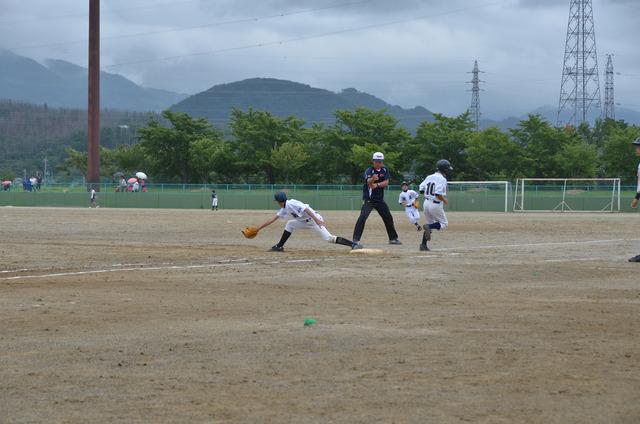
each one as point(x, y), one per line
point(280, 196)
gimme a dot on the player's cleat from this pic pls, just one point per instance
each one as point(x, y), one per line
point(424, 248)
point(635, 259)
point(356, 246)
point(396, 241)
point(276, 248)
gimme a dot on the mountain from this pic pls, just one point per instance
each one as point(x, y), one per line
point(550, 113)
point(284, 98)
point(59, 83)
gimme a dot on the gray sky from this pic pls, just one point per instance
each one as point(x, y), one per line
point(408, 52)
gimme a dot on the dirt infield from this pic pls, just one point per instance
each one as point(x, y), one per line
point(171, 316)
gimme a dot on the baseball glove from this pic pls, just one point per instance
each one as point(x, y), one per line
point(416, 204)
point(250, 232)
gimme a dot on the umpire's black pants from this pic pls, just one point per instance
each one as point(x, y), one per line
point(385, 214)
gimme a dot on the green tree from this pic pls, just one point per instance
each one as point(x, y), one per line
point(445, 138)
point(289, 160)
point(171, 148)
point(357, 134)
point(541, 143)
point(257, 134)
point(76, 161)
point(492, 154)
point(576, 159)
point(618, 156)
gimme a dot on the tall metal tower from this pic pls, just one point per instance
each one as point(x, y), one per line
point(475, 95)
point(609, 102)
point(580, 89)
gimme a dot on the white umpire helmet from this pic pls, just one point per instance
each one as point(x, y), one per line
point(378, 156)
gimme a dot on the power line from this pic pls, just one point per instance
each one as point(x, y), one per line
point(192, 27)
point(104, 12)
point(311, 37)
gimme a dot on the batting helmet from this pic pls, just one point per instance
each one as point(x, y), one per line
point(280, 196)
point(636, 141)
point(444, 166)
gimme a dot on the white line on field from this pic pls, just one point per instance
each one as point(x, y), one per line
point(143, 267)
point(573, 260)
point(101, 271)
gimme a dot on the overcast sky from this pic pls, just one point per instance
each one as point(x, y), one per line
point(408, 52)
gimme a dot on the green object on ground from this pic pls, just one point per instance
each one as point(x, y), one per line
point(308, 322)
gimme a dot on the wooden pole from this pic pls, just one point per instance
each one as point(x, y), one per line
point(93, 143)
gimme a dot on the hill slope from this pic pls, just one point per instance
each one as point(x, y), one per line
point(284, 98)
point(63, 84)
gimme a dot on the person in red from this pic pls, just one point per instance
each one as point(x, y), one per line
point(376, 180)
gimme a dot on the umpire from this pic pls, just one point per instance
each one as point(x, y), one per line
point(376, 180)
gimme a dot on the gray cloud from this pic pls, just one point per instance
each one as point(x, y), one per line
point(519, 43)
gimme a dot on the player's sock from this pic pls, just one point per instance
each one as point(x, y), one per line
point(344, 241)
point(285, 236)
point(435, 226)
point(426, 236)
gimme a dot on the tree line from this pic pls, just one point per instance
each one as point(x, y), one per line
point(262, 148)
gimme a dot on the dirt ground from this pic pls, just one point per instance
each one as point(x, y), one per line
point(114, 315)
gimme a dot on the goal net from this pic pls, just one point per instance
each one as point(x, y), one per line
point(485, 196)
point(567, 195)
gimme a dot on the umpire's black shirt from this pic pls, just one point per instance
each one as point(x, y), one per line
point(374, 194)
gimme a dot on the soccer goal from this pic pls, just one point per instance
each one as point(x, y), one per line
point(567, 195)
point(485, 196)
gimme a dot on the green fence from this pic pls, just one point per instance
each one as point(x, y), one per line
point(489, 197)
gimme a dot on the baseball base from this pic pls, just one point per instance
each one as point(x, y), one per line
point(367, 252)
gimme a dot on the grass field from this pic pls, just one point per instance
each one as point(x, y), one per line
point(463, 198)
point(136, 315)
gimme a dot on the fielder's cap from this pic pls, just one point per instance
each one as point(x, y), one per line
point(280, 196)
point(404, 183)
point(378, 156)
point(636, 141)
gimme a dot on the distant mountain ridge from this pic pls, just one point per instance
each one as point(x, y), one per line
point(62, 84)
point(284, 98)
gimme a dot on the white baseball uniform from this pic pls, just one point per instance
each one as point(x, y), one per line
point(301, 219)
point(406, 199)
point(214, 200)
point(432, 186)
point(638, 191)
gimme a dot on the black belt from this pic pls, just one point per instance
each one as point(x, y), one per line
point(436, 202)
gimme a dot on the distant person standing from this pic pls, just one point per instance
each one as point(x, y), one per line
point(93, 198)
point(136, 187)
point(376, 179)
point(123, 185)
point(214, 200)
point(634, 202)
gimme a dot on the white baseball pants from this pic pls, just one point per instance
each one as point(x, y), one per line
point(434, 212)
point(413, 214)
point(294, 224)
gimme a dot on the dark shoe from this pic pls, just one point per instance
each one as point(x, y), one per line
point(396, 241)
point(356, 245)
point(276, 248)
point(427, 233)
point(635, 259)
point(424, 248)
point(419, 228)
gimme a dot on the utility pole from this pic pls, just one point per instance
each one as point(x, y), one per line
point(609, 101)
point(580, 87)
point(93, 142)
point(475, 96)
